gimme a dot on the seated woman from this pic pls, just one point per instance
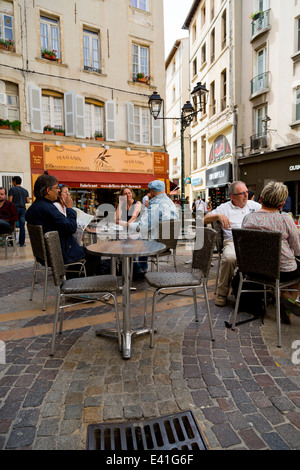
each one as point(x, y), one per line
point(126, 213)
point(62, 195)
point(270, 218)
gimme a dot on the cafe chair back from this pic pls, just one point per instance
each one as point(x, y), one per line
point(258, 254)
point(76, 287)
point(41, 262)
point(38, 246)
point(179, 283)
point(216, 225)
point(169, 233)
point(8, 239)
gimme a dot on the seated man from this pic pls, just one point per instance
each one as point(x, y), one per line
point(8, 213)
point(160, 208)
point(231, 215)
point(43, 212)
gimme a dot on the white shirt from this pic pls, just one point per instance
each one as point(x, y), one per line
point(61, 209)
point(235, 214)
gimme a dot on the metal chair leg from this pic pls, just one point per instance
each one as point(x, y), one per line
point(208, 310)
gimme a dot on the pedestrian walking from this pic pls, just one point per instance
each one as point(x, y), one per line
point(19, 196)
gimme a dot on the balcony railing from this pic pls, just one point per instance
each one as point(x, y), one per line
point(258, 141)
point(263, 21)
point(260, 82)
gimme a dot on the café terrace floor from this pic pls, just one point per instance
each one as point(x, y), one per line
point(243, 391)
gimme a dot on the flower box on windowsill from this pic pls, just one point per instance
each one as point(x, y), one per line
point(59, 132)
point(99, 138)
point(4, 126)
point(49, 57)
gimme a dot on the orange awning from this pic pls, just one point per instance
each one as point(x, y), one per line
point(93, 179)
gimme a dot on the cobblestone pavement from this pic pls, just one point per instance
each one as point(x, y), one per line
point(242, 389)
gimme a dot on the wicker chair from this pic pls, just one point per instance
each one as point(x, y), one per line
point(7, 239)
point(41, 263)
point(178, 283)
point(258, 255)
point(169, 232)
point(77, 287)
point(216, 225)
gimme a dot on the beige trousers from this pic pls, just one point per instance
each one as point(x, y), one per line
point(228, 265)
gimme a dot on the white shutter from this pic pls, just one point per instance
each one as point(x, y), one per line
point(69, 105)
point(35, 100)
point(2, 106)
point(130, 123)
point(110, 120)
point(157, 132)
point(80, 117)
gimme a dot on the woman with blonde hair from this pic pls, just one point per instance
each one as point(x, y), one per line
point(128, 210)
point(270, 217)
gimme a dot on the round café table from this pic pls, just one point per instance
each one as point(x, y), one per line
point(126, 250)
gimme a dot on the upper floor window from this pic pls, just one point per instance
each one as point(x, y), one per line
point(298, 35)
point(6, 21)
point(212, 107)
point(297, 105)
point(194, 32)
point(203, 15)
point(223, 89)
point(203, 54)
point(93, 118)
point(91, 50)
point(50, 35)
point(52, 109)
point(259, 124)
point(224, 29)
point(9, 101)
point(212, 46)
point(141, 4)
point(140, 60)
point(138, 126)
point(212, 9)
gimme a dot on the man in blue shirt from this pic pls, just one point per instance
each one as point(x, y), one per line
point(160, 208)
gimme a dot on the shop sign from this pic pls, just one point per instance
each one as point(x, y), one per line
point(219, 149)
point(197, 182)
point(218, 175)
point(76, 158)
point(294, 168)
point(37, 155)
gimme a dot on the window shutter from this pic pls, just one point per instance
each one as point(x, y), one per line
point(80, 116)
point(35, 100)
point(110, 120)
point(157, 132)
point(69, 104)
point(130, 123)
point(2, 106)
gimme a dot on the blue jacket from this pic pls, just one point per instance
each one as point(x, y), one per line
point(43, 212)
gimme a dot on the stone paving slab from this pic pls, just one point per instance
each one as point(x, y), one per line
point(243, 390)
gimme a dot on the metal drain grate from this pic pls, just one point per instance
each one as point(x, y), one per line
point(179, 431)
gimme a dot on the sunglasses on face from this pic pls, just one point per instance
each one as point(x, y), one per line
point(244, 193)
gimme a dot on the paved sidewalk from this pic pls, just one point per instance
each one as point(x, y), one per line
point(243, 390)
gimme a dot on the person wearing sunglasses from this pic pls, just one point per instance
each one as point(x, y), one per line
point(43, 212)
point(231, 215)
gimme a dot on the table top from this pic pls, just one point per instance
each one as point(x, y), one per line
point(126, 247)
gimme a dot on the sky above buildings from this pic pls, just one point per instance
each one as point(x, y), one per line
point(175, 13)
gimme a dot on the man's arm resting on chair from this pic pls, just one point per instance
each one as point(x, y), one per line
point(212, 217)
